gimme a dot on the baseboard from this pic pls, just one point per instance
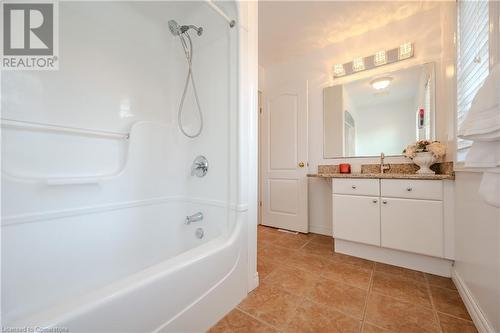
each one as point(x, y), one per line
point(320, 229)
point(433, 265)
point(478, 317)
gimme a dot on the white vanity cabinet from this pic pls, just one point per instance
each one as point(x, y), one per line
point(411, 216)
point(357, 218)
point(399, 214)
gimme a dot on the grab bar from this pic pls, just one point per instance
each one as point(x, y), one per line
point(194, 218)
point(35, 126)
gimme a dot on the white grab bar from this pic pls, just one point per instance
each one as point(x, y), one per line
point(34, 126)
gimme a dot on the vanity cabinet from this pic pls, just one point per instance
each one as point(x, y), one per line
point(398, 214)
point(357, 218)
point(412, 225)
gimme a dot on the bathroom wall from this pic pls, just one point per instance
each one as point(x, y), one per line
point(429, 30)
point(477, 247)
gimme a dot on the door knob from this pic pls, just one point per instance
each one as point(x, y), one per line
point(301, 164)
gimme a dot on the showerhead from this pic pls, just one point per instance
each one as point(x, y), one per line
point(177, 29)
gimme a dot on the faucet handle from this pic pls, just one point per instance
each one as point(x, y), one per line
point(199, 167)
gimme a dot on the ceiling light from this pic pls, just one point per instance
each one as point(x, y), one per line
point(381, 83)
point(405, 51)
point(380, 58)
point(358, 64)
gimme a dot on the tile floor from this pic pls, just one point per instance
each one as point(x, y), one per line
point(306, 287)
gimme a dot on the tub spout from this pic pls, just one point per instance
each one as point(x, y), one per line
point(194, 218)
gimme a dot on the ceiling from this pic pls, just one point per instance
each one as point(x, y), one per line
point(290, 29)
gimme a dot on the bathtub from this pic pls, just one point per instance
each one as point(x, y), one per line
point(182, 293)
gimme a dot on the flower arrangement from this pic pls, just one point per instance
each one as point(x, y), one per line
point(437, 149)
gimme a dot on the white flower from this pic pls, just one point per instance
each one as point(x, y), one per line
point(437, 149)
point(410, 151)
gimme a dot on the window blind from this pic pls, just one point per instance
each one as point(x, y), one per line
point(472, 57)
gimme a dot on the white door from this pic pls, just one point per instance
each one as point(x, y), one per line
point(284, 158)
point(356, 218)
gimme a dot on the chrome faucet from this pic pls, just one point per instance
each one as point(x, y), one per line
point(194, 218)
point(383, 166)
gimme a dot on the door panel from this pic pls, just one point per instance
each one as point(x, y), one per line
point(283, 195)
point(413, 225)
point(283, 132)
point(356, 218)
point(284, 158)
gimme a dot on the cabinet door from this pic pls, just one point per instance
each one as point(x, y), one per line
point(356, 218)
point(412, 225)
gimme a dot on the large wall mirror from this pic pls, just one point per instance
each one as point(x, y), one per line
point(383, 113)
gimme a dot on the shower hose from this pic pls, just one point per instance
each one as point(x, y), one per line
point(188, 51)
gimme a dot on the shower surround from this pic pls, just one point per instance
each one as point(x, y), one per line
point(96, 175)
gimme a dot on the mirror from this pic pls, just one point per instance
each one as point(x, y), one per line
point(383, 113)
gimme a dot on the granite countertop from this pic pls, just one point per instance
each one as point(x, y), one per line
point(383, 176)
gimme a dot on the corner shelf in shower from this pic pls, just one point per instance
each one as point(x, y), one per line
point(65, 130)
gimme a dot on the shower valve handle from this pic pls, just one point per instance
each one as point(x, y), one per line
point(199, 167)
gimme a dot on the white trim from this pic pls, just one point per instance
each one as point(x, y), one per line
point(478, 317)
point(320, 229)
point(433, 265)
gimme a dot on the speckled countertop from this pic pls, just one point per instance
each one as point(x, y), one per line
point(383, 176)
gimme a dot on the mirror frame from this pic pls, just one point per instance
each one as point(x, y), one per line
point(432, 115)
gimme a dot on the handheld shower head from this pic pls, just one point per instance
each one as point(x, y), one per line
point(174, 27)
point(177, 29)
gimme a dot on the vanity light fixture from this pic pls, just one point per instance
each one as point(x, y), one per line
point(381, 82)
point(380, 58)
point(338, 70)
point(405, 51)
point(358, 64)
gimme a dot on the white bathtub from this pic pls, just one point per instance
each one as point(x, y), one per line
point(174, 295)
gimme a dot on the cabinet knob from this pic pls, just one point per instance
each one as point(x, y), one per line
point(353, 187)
point(409, 189)
point(375, 200)
point(384, 202)
point(301, 164)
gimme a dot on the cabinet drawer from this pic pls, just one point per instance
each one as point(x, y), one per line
point(356, 186)
point(412, 225)
point(356, 218)
point(412, 189)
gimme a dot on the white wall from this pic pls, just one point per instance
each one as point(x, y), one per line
point(429, 32)
point(477, 246)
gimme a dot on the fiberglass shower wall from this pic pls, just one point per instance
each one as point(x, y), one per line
point(79, 209)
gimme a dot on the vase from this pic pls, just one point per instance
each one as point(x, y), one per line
point(424, 160)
